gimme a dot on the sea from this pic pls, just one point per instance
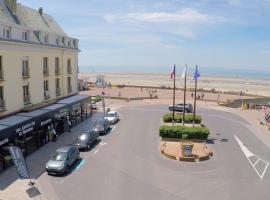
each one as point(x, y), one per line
point(204, 71)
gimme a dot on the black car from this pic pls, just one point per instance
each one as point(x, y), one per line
point(180, 107)
point(85, 140)
point(62, 160)
point(101, 126)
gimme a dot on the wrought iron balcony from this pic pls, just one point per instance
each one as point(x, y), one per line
point(46, 73)
point(26, 99)
point(58, 92)
point(2, 105)
point(69, 89)
point(46, 95)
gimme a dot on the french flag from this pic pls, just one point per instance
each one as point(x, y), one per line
point(173, 72)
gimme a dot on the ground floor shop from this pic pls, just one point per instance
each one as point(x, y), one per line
point(32, 130)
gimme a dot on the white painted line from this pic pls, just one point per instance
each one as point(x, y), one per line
point(95, 152)
point(113, 128)
point(103, 143)
point(249, 154)
point(264, 170)
point(244, 148)
point(256, 162)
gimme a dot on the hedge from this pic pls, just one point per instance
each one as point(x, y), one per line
point(96, 98)
point(178, 118)
point(183, 132)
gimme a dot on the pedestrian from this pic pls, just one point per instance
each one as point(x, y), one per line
point(192, 95)
point(202, 95)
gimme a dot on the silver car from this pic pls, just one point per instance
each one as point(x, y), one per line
point(62, 160)
point(112, 117)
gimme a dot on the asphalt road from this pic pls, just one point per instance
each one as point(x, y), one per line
point(126, 164)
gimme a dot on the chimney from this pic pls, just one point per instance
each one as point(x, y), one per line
point(12, 5)
point(40, 10)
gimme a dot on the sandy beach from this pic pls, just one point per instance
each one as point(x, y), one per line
point(254, 86)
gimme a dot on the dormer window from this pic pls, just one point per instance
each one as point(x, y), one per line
point(25, 35)
point(63, 41)
point(74, 43)
point(7, 33)
point(57, 41)
point(45, 39)
point(69, 43)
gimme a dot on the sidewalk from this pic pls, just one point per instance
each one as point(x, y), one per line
point(12, 188)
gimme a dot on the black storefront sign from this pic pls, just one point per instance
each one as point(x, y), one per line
point(76, 106)
point(47, 121)
point(24, 129)
point(4, 141)
point(19, 162)
point(61, 113)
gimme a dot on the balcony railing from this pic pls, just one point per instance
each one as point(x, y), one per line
point(69, 89)
point(46, 72)
point(26, 99)
point(57, 71)
point(69, 71)
point(58, 92)
point(25, 74)
point(2, 105)
point(46, 95)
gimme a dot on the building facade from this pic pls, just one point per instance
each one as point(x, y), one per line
point(38, 61)
point(38, 81)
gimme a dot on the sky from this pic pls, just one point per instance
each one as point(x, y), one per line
point(147, 33)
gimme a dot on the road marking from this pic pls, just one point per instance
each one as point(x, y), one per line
point(249, 154)
point(95, 152)
point(265, 169)
point(113, 128)
point(59, 182)
point(103, 143)
point(257, 161)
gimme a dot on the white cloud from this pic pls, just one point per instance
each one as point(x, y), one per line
point(186, 15)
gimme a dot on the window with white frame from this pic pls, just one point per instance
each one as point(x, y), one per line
point(7, 33)
point(25, 67)
point(57, 41)
point(46, 39)
point(25, 35)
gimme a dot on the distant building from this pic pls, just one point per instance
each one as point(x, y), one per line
point(38, 60)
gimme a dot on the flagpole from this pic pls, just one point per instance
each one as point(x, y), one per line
point(184, 111)
point(195, 98)
point(173, 95)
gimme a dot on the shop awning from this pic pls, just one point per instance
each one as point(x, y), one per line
point(15, 126)
point(75, 102)
point(42, 117)
point(74, 99)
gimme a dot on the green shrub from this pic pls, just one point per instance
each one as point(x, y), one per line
point(178, 118)
point(183, 132)
point(96, 98)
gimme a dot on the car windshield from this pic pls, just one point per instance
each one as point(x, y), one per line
point(99, 123)
point(110, 115)
point(82, 137)
point(59, 156)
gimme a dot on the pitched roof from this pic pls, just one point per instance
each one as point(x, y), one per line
point(29, 18)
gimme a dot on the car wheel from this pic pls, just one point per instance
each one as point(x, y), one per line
point(88, 147)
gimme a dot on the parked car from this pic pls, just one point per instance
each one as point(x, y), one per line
point(180, 107)
point(62, 160)
point(94, 106)
point(101, 126)
point(112, 117)
point(85, 140)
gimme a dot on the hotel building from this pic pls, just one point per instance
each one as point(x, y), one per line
point(38, 78)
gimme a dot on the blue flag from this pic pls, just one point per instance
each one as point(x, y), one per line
point(196, 73)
